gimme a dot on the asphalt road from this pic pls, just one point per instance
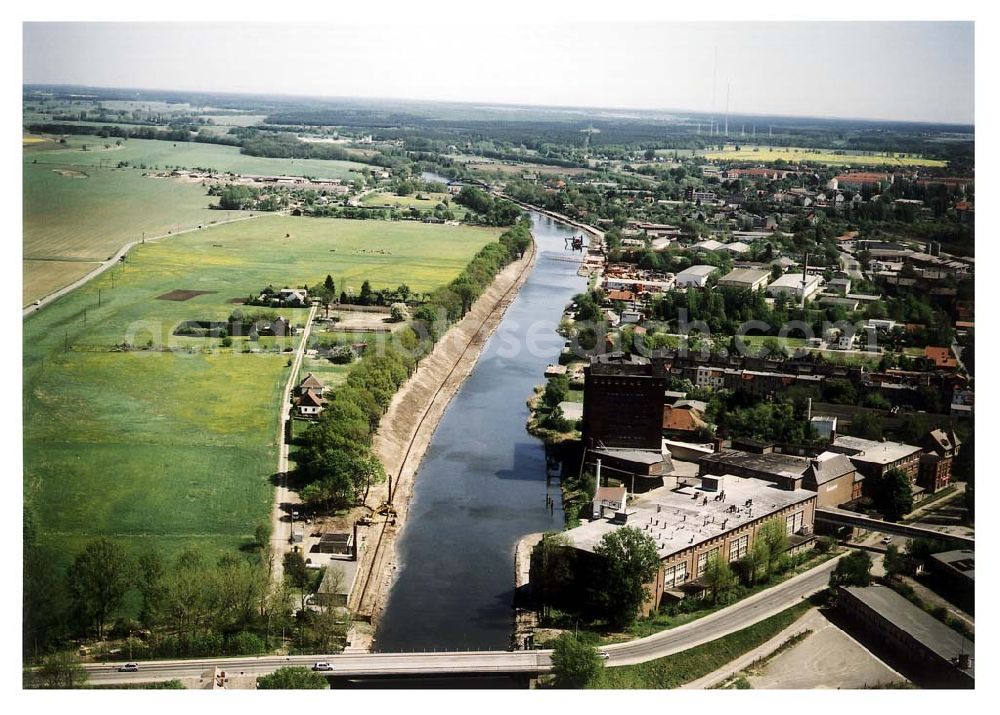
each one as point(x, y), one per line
point(733, 618)
point(740, 615)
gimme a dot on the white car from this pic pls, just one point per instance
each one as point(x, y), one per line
point(322, 665)
point(128, 668)
point(887, 540)
point(604, 654)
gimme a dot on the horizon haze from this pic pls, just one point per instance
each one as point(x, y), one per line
point(909, 71)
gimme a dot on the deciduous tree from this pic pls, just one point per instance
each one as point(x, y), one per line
point(630, 561)
point(574, 663)
point(98, 579)
point(719, 577)
point(852, 570)
point(295, 678)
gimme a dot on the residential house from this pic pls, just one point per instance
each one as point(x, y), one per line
point(941, 358)
point(292, 297)
point(310, 404)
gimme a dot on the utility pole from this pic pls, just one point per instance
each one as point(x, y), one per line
point(727, 109)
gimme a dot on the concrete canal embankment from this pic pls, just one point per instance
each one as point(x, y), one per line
point(482, 483)
point(410, 422)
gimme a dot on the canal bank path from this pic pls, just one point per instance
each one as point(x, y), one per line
point(281, 537)
point(408, 425)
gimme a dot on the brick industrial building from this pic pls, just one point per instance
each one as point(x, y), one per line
point(623, 402)
point(831, 476)
point(720, 516)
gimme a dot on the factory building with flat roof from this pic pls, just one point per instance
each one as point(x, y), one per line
point(719, 516)
point(745, 278)
point(796, 286)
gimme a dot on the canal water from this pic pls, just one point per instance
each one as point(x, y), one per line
point(481, 486)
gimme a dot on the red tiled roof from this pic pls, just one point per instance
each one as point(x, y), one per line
point(621, 295)
point(310, 399)
point(686, 419)
point(310, 382)
point(862, 177)
point(941, 357)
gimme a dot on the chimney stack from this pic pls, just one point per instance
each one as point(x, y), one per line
point(596, 506)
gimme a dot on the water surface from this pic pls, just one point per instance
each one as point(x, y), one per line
point(482, 483)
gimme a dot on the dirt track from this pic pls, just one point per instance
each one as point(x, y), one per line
point(410, 422)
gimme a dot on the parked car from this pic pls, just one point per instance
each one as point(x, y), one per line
point(129, 668)
point(887, 540)
point(322, 665)
point(604, 654)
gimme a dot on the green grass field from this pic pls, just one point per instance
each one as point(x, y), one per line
point(90, 214)
point(79, 207)
point(405, 202)
point(177, 448)
point(819, 156)
point(189, 155)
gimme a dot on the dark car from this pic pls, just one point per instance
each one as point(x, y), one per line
point(128, 668)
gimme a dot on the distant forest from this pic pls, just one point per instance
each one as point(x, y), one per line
point(551, 136)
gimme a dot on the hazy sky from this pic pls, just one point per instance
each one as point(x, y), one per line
point(908, 71)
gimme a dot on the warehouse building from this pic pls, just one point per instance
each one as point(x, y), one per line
point(830, 475)
point(745, 278)
point(795, 286)
point(694, 277)
point(937, 655)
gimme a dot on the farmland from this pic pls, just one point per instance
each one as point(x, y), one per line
point(79, 207)
point(72, 222)
point(820, 156)
point(178, 445)
point(406, 202)
point(162, 154)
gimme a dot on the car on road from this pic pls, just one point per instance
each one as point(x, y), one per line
point(322, 665)
point(887, 540)
point(604, 654)
point(128, 668)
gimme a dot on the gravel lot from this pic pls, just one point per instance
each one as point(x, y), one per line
point(828, 658)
